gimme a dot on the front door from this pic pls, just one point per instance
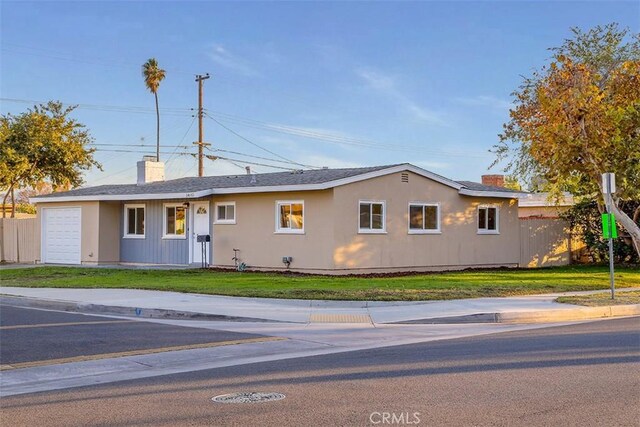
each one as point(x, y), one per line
point(201, 226)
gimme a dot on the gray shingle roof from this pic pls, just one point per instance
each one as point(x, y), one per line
point(194, 184)
point(476, 186)
point(244, 181)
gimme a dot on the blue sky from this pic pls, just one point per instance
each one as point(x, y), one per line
point(323, 84)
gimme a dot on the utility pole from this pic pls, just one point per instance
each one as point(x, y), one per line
point(200, 79)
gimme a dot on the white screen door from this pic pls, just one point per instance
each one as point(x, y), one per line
point(200, 227)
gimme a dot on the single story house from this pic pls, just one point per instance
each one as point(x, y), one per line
point(353, 220)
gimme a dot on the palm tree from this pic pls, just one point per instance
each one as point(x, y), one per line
point(153, 75)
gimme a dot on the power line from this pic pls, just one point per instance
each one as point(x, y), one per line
point(211, 157)
point(48, 53)
point(138, 152)
point(182, 139)
point(215, 150)
point(257, 145)
point(333, 138)
point(132, 149)
point(233, 163)
point(110, 108)
point(117, 63)
point(111, 175)
point(136, 146)
point(272, 127)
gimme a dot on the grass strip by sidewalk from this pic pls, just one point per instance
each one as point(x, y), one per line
point(418, 287)
point(603, 299)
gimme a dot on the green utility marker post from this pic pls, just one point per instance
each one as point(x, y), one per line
point(609, 230)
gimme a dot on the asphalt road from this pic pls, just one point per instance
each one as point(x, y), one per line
point(579, 375)
point(29, 335)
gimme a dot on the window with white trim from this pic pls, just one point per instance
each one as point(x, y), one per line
point(225, 213)
point(488, 218)
point(371, 216)
point(424, 218)
point(290, 216)
point(175, 221)
point(134, 221)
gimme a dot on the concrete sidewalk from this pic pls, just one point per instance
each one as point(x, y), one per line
point(141, 303)
point(309, 328)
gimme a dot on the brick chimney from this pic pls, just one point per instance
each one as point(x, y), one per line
point(493, 180)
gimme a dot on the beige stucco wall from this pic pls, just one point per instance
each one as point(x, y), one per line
point(254, 232)
point(458, 245)
point(99, 230)
point(332, 243)
point(110, 216)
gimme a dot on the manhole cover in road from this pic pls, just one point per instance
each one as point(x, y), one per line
point(250, 397)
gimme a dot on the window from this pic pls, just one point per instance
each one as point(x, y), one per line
point(488, 220)
point(424, 218)
point(290, 217)
point(225, 213)
point(372, 218)
point(134, 221)
point(175, 221)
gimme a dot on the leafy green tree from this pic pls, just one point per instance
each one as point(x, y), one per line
point(584, 218)
point(579, 117)
point(153, 75)
point(43, 145)
point(511, 182)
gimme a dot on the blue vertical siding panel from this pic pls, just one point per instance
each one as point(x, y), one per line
point(153, 249)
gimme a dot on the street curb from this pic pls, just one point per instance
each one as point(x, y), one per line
point(580, 313)
point(542, 316)
point(155, 313)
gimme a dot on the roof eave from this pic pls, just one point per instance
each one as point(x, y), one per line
point(527, 204)
point(117, 197)
point(489, 194)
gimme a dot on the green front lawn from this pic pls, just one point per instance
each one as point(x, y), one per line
point(597, 300)
point(436, 286)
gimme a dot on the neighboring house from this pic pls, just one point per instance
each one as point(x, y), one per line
point(546, 240)
point(374, 219)
point(538, 205)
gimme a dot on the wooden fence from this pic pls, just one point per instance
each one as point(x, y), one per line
point(19, 240)
point(546, 242)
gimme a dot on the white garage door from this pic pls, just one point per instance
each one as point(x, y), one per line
point(61, 235)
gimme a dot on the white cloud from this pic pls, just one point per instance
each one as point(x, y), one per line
point(378, 81)
point(425, 114)
point(388, 86)
point(221, 56)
